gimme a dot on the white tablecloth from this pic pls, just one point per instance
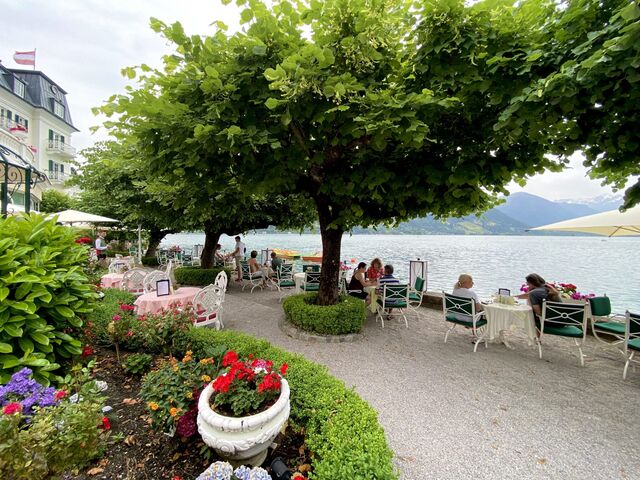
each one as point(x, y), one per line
point(501, 317)
point(298, 279)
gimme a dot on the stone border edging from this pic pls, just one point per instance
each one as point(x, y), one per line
point(294, 332)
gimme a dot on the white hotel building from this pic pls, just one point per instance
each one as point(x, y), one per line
point(36, 125)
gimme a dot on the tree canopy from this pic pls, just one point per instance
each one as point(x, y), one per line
point(376, 110)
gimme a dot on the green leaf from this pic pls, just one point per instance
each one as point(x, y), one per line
point(40, 338)
point(260, 50)
point(5, 348)
point(272, 103)
point(26, 345)
point(246, 15)
point(66, 312)
point(4, 292)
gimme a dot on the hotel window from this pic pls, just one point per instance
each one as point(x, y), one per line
point(5, 117)
point(55, 139)
point(22, 121)
point(58, 109)
point(18, 88)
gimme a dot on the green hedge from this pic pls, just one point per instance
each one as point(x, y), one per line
point(197, 276)
point(348, 316)
point(104, 311)
point(150, 261)
point(342, 430)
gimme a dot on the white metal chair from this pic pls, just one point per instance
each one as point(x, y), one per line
point(149, 282)
point(169, 271)
point(394, 296)
point(249, 278)
point(133, 281)
point(462, 311)
point(631, 340)
point(207, 305)
point(415, 295)
point(221, 281)
point(285, 280)
point(564, 320)
point(603, 322)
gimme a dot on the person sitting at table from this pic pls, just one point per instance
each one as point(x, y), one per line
point(358, 282)
point(375, 271)
point(254, 266)
point(462, 288)
point(276, 263)
point(539, 291)
point(217, 255)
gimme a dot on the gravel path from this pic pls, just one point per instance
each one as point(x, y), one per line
point(451, 414)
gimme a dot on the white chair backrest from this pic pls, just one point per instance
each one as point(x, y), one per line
point(149, 283)
point(207, 306)
point(221, 281)
point(133, 280)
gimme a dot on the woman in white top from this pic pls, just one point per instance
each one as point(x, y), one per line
point(462, 288)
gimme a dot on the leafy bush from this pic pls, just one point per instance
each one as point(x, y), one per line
point(43, 292)
point(150, 261)
point(137, 363)
point(198, 276)
point(342, 430)
point(172, 391)
point(155, 333)
point(347, 316)
point(57, 437)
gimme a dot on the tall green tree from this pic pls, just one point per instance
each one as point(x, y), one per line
point(376, 110)
point(55, 201)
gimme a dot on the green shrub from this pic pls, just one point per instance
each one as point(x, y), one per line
point(137, 363)
point(347, 316)
point(155, 333)
point(55, 438)
point(43, 292)
point(342, 430)
point(150, 261)
point(197, 276)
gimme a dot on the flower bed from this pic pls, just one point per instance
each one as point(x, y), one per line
point(197, 276)
point(341, 429)
point(346, 317)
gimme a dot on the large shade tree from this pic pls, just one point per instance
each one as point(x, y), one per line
point(377, 110)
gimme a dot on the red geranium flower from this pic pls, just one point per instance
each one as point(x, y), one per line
point(59, 395)
point(283, 369)
point(106, 424)
point(229, 358)
point(10, 409)
point(87, 351)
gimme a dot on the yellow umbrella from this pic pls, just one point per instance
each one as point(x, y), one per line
point(612, 223)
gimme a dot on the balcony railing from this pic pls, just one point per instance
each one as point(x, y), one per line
point(14, 127)
point(58, 176)
point(17, 146)
point(56, 146)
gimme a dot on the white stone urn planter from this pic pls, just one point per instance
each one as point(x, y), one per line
point(244, 439)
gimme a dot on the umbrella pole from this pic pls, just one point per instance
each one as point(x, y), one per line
point(140, 242)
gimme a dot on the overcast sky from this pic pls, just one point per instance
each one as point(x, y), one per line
point(83, 44)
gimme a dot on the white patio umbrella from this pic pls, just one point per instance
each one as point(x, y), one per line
point(612, 223)
point(74, 216)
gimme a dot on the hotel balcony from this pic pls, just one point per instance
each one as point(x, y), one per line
point(10, 141)
point(56, 176)
point(14, 128)
point(61, 148)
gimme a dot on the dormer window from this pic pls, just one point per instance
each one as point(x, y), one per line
point(58, 109)
point(18, 88)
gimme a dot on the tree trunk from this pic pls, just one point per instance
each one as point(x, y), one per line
point(328, 293)
point(155, 237)
point(207, 257)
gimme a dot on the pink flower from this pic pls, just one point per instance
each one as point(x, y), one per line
point(14, 407)
point(116, 318)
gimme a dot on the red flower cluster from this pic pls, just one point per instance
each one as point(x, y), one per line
point(83, 241)
point(127, 308)
point(106, 424)
point(87, 351)
point(11, 408)
point(59, 395)
point(270, 381)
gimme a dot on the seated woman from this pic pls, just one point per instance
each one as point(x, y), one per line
point(358, 282)
point(254, 266)
point(375, 271)
point(462, 288)
point(539, 291)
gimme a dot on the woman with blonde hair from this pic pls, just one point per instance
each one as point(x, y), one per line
point(462, 288)
point(375, 271)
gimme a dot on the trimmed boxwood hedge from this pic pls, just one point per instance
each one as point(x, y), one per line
point(197, 276)
point(341, 429)
point(345, 317)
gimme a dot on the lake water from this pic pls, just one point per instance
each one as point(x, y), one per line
point(595, 264)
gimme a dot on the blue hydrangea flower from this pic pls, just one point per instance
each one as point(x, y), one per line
point(217, 471)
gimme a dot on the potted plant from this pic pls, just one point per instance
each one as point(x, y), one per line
point(242, 410)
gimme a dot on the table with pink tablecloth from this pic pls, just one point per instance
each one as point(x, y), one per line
point(111, 280)
point(152, 303)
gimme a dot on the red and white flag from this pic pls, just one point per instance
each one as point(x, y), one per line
point(25, 58)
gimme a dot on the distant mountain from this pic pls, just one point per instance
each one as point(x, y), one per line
point(602, 203)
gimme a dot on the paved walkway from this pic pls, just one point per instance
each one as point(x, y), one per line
point(451, 414)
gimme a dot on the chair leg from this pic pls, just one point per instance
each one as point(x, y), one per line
point(539, 343)
point(448, 331)
point(380, 315)
point(580, 352)
point(406, 324)
point(626, 366)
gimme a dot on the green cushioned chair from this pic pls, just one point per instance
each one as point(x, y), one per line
point(569, 320)
point(395, 296)
point(631, 340)
point(462, 311)
point(311, 282)
point(603, 322)
point(284, 280)
point(415, 295)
